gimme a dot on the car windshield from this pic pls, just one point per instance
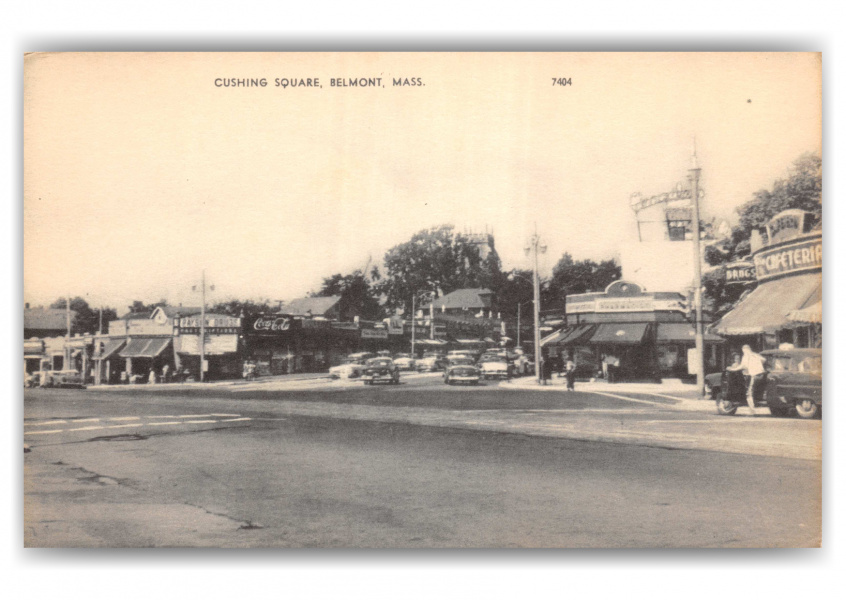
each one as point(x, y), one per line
point(379, 362)
point(461, 360)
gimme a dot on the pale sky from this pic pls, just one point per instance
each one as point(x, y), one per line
point(139, 172)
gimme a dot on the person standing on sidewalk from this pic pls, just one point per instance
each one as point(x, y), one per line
point(613, 364)
point(570, 374)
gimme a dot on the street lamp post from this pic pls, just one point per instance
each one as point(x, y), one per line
point(519, 309)
point(431, 296)
point(536, 247)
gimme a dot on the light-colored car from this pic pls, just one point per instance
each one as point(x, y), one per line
point(63, 379)
point(405, 362)
point(495, 366)
point(380, 369)
point(431, 362)
point(462, 369)
point(351, 369)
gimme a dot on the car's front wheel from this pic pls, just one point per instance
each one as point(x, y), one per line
point(807, 409)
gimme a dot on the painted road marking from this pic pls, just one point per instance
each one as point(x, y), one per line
point(650, 402)
point(167, 423)
point(199, 422)
point(43, 432)
point(85, 420)
point(223, 415)
point(87, 428)
point(51, 423)
point(124, 418)
point(119, 426)
point(239, 419)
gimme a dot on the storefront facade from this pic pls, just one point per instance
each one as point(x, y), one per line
point(647, 333)
point(220, 347)
point(785, 306)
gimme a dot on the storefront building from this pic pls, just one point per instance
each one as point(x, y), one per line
point(648, 333)
point(785, 306)
point(220, 346)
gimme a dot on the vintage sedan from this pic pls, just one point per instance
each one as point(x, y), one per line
point(63, 379)
point(380, 369)
point(794, 382)
point(495, 366)
point(431, 362)
point(405, 362)
point(462, 369)
point(351, 368)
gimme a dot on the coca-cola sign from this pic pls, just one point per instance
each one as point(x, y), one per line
point(273, 323)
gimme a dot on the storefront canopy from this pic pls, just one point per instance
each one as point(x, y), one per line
point(768, 307)
point(679, 333)
point(809, 314)
point(620, 333)
point(431, 342)
point(110, 347)
point(569, 336)
point(145, 347)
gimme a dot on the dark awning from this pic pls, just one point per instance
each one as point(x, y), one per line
point(767, 308)
point(145, 347)
point(620, 333)
point(569, 336)
point(679, 333)
point(109, 348)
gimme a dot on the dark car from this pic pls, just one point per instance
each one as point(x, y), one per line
point(462, 369)
point(380, 369)
point(793, 382)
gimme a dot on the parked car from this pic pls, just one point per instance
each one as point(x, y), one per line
point(431, 362)
point(462, 369)
point(793, 382)
point(351, 368)
point(380, 369)
point(64, 379)
point(495, 366)
point(405, 362)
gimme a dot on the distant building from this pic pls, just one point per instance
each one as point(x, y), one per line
point(327, 307)
point(476, 301)
point(46, 322)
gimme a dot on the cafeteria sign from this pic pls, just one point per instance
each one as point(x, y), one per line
point(793, 257)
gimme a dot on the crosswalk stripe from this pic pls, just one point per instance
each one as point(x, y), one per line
point(199, 422)
point(43, 432)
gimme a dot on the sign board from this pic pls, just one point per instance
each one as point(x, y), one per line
point(787, 258)
point(395, 326)
point(623, 304)
point(212, 321)
point(215, 344)
point(374, 334)
point(272, 324)
point(638, 202)
point(740, 272)
point(786, 225)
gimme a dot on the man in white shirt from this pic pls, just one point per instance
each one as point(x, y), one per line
point(752, 365)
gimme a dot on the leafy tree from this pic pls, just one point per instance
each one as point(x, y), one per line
point(358, 297)
point(241, 308)
point(802, 189)
point(87, 319)
point(437, 259)
point(139, 307)
point(578, 277)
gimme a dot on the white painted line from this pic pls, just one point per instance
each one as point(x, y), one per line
point(50, 423)
point(84, 420)
point(192, 416)
point(119, 426)
point(87, 428)
point(231, 420)
point(651, 403)
point(198, 422)
point(167, 423)
point(223, 415)
point(124, 418)
point(43, 432)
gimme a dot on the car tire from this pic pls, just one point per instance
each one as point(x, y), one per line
point(807, 409)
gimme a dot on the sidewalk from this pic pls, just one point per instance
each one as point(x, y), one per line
point(671, 387)
point(195, 385)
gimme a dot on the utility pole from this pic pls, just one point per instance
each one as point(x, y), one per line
point(203, 329)
point(413, 323)
point(693, 176)
point(432, 317)
point(66, 366)
point(536, 247)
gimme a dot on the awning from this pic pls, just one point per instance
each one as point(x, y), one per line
point(145, 347)
point(569, 336)
point(809, 314)
point(620, 333)
point(678, 333)
point(431, 342)
point(33, 347)
point(767, 308)
point(110, 347)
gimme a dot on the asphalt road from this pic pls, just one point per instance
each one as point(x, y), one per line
point(320, 464)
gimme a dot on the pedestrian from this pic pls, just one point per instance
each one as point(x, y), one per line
point(151, 378)
point(613, 363)
point(570, 373)
point(165, 370)
point(752, 365)
point(603, 360)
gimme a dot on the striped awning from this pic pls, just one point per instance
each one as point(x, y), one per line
point(620, 333)
point(809, 314)
point(109, 348)
point(145, 347)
